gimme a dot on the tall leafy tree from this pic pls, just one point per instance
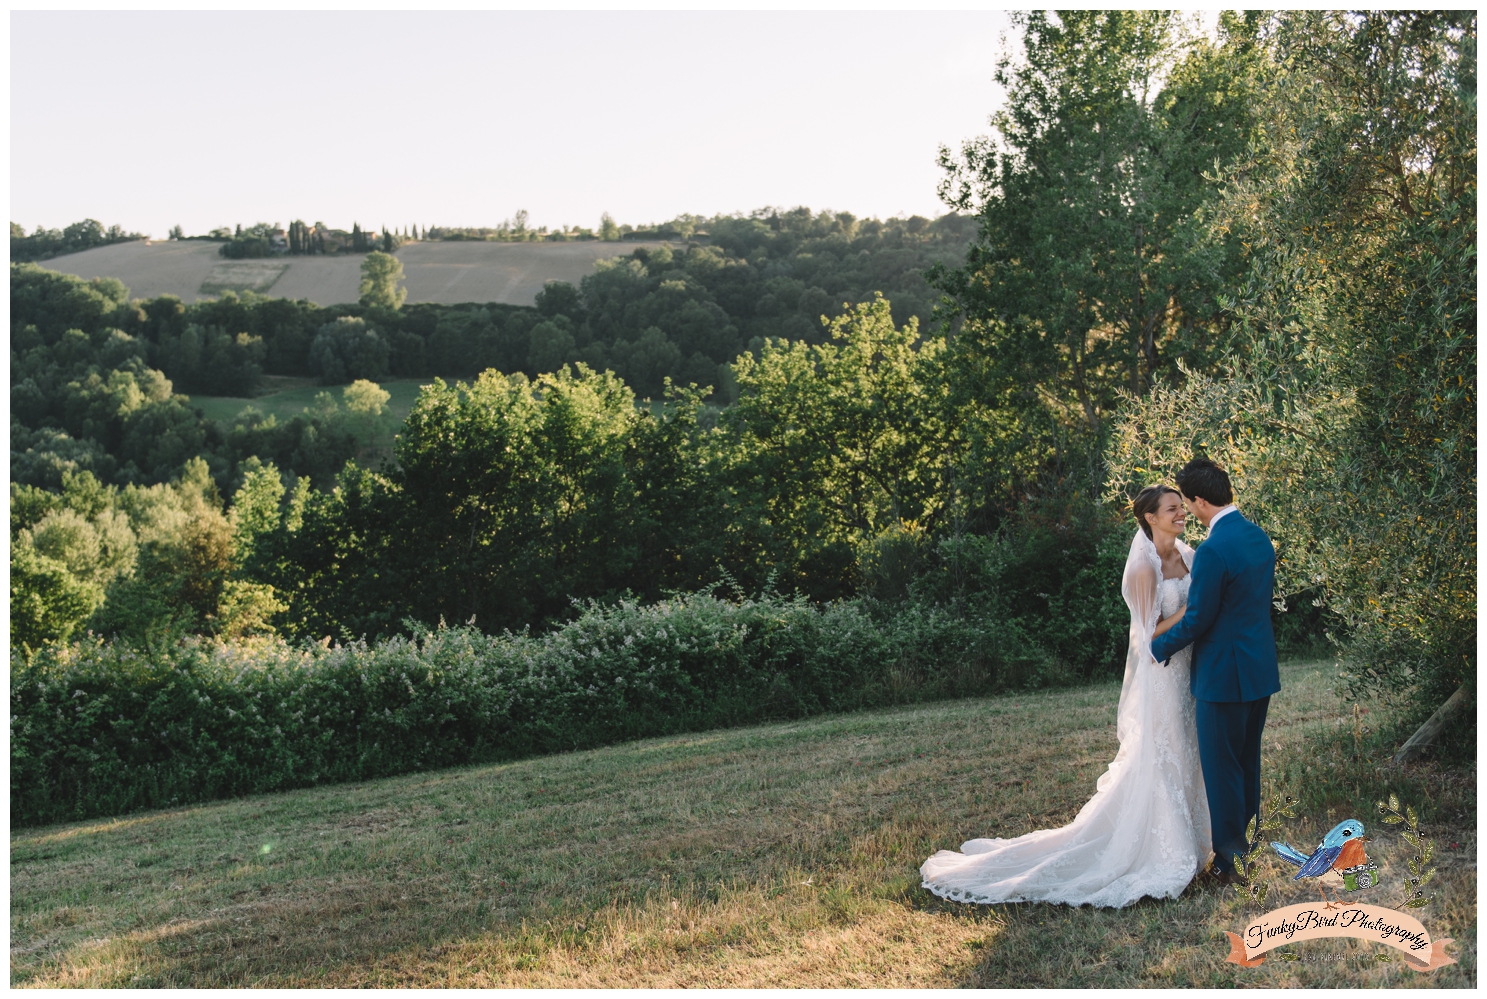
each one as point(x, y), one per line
point(508, 498)
point(380, 274)
point(832, 445)
point(1092, 272)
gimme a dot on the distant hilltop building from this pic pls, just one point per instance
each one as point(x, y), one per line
point(333, 240)
point(301, 239)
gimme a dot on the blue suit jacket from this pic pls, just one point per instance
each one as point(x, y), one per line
point(1228, 617)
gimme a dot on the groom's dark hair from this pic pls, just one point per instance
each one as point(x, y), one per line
point(1202, 479)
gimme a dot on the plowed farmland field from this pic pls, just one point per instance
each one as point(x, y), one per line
point(445, 273)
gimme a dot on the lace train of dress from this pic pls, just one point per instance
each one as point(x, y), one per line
point(1146, 830)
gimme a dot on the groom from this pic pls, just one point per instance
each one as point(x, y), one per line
point(1234, 668)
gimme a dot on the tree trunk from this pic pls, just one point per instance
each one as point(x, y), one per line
point(1138, 318)
point(1084, 398)
point(1426, 734)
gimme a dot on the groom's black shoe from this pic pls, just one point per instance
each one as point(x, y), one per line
point(1225, 878)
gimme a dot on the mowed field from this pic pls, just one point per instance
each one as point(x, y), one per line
point(777, 855)
point(285, 398)
point(445, 273)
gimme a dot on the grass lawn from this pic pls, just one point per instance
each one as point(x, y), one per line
point(285, 398)
point(779, 855)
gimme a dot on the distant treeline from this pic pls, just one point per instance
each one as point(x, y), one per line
point(311, 239)
point(516, 230)
point(263, 239)
point(686, 313)
point(44, 243)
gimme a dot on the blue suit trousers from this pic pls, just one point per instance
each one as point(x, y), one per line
point(1229, 746)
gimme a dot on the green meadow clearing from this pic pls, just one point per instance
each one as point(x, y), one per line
point(777, 855)
point(284, 397)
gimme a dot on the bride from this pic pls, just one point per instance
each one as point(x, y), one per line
point(1146, 830)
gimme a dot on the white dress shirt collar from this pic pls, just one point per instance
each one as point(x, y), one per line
point(1220, 515)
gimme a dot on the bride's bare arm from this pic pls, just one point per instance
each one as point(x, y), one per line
point(1167, 622)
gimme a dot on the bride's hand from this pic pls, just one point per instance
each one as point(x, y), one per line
point(1167, 622)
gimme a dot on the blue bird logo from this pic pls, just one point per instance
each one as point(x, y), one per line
point(1340, 851)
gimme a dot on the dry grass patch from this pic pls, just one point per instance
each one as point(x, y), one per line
point(447, 273)
point(800, 935)
point(780, 855)
point(243, 275)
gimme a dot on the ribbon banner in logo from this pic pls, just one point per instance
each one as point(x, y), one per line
point(1294, 923)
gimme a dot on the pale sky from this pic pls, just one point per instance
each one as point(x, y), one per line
point(202, 119)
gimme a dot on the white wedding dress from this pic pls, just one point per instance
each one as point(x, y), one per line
point(1146, 830)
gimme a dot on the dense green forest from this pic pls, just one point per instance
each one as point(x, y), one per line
point(1259, 246)
point(97, 379)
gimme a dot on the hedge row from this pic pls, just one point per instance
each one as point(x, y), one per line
point(103, 728)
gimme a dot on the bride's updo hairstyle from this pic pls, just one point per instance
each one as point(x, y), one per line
point(1147, 501)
